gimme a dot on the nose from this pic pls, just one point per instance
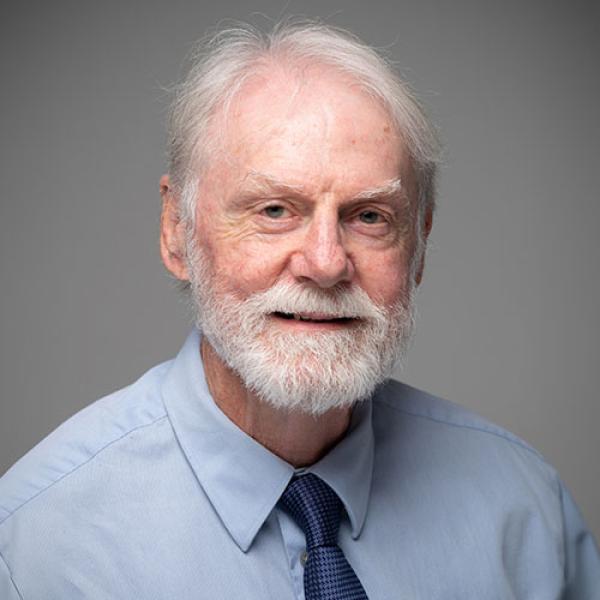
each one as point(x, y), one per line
point(322, 258)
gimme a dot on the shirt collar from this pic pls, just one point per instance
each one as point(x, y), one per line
point(348, 466)
point(241, 478)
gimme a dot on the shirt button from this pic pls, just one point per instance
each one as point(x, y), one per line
point(303, 558)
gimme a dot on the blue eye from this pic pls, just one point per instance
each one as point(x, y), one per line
point(370, 217)
point(274, 212)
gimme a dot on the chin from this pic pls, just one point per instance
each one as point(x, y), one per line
point(311, 372)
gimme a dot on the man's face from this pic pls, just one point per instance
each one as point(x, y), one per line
point(303, 239)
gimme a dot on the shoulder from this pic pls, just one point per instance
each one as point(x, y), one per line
point(83, 437)
point(409, 402)
point(407, 419)
point(448, 469)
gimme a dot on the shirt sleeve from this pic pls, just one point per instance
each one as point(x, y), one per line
point(582, 557)
point(8, 590)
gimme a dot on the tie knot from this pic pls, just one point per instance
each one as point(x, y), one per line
point(316, 509)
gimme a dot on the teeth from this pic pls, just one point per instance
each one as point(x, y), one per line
point(298, 317)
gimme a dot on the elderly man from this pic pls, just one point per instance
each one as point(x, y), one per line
point(273, 458)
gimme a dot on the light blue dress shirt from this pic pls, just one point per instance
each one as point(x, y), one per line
point(152, 493)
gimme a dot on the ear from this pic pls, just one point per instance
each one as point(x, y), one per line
point(172, 232)
point(427, 225)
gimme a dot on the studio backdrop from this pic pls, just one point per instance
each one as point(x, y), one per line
point(508, 309)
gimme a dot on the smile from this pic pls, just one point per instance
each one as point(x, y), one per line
point(314, 318)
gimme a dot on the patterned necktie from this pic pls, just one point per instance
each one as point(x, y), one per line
point(317, 510)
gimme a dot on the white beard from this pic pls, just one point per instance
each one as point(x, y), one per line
point(312, 372)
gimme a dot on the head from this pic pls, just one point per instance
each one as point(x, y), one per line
point(299, 199)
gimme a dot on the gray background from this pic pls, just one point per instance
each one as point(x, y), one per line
point(509, 306)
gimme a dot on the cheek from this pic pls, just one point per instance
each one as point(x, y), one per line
point(248, 269)
point(385, 279)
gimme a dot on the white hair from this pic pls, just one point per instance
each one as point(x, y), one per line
point(223, 63)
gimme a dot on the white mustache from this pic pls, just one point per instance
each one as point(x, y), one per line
point(292, 298)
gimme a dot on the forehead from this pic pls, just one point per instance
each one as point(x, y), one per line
point(312, 126)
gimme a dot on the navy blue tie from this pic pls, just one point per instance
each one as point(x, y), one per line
point(318, 511)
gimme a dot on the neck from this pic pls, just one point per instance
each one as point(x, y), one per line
point(298, 438)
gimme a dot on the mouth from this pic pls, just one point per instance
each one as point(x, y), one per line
point(316, 318)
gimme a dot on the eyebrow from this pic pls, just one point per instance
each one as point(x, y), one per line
point(258, 182)
point(389, 189)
